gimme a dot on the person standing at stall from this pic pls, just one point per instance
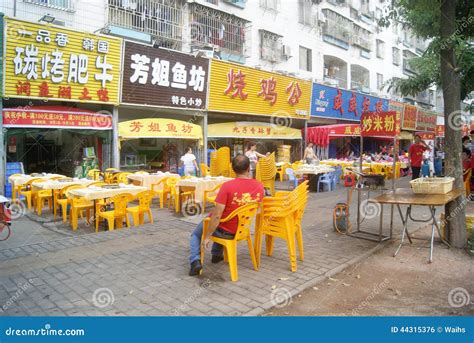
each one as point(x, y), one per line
point(415, 155)
point(309, 155)
point(188, 160)
point(253, 155)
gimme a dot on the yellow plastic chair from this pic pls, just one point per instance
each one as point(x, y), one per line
point(171, 185)
point(281, 171)
point(63, 200)
point(280, 217)
point(28, 192)
point(266, 171)
point(78, 205)
point(142, 172)
point(97, 184)
point(117, 215)
point(42, 196)
point(205, 171)
point(163, 192)
point(93, 174)
point(210, 196)
point(138, 212)
point(15, 188)
point(245, 215)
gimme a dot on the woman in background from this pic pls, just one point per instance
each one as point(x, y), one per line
point(188, 161)
point(253, 155)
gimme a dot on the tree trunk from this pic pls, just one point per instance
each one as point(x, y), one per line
point(450, 81)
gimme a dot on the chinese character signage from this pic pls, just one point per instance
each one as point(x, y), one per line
point(159, 128)
point(42, 117)
point(409, 117)
point(251, 130)
point(425, 120)
point(52, 62)
point(330, 102)
point(380, 124)
point(396, 106)
point(163, 78)
point(238, 89)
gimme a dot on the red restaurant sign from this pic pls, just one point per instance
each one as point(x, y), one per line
point(409, 118)
point(72, 119)
point(426, 120)
point(380, 124)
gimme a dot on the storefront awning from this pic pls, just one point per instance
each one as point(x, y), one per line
point(56, 117)
point(159, 128)
point(253, 130)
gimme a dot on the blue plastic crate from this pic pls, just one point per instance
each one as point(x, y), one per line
point(8, 191)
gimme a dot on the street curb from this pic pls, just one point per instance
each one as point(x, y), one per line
point(295, 291)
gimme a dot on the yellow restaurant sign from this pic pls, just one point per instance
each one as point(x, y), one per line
point(238, 89)
point(159, 128)
point(52, 62)
point(252, 130)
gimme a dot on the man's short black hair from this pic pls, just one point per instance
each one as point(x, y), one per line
point(466, 138)
point(472, 132)
point(240, 164)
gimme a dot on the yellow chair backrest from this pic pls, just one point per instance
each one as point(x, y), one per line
point(213, 168)
point(204, 169)
point(80, 201)
point(120, 202)
point(27, 184)
point(171, 181)
point(144, 199)
point(63, 191)
point(122, 177)
point(94, 174)
point(245, 214)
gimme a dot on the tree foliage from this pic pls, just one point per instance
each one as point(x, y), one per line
point(423, 18)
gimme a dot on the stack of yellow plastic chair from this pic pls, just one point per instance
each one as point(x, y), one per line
point(118, 214)
point(223, 161)
point(213, 168)
point(231, 171)
point(266, 171)
point(138, 212)
point(281, 218)
point(245, 215)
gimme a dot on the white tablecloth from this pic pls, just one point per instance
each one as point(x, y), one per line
point(55, 184)
point(306, 169)
point(148, 180)
point(22, 179)
point(202, 184)
point(94, 193)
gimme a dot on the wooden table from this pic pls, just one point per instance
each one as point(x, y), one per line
point(405, 196)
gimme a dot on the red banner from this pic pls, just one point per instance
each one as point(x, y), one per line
point(381, 124)
point(18, 117)
point(440, 130)
point(409, 117)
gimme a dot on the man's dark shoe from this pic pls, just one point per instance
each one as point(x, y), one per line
point(216, 258)
point(196, 268)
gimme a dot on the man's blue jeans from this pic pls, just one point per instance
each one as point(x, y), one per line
point(195, 245)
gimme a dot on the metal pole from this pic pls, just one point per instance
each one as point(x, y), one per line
point(2, 138)
point(305, 133)
point(115, 139)
point(358, 192)
point(204, 138)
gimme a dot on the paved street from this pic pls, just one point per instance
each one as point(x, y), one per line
point(46, 269)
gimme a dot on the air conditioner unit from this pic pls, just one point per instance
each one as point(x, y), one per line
point(286, 51)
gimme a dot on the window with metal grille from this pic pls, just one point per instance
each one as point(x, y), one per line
point(306, 59)
point(270, 46)
point(396, 56)
point(272, 5)
point(306, 13)
point(379, 81)
point(380, 49)
point(163, 19)
point(210, 27)
point(65, 5)
point(337, 26)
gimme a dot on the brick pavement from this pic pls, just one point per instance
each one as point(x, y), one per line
point(143, 271)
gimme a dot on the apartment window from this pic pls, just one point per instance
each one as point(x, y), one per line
point(379, 81)
point(380, 49)
point(305, 59)
point(65, 5)
point(270, 46)
point(362, 38)
point(396, 56)
point(337, 29)
point(305, 12)
point(271, 5)
point(213, 2)
point(238, 3)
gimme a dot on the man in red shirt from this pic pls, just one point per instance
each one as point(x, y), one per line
point(415, 154)
point(232, 195)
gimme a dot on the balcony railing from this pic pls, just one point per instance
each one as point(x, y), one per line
point(210, 27)
point(163, 19)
